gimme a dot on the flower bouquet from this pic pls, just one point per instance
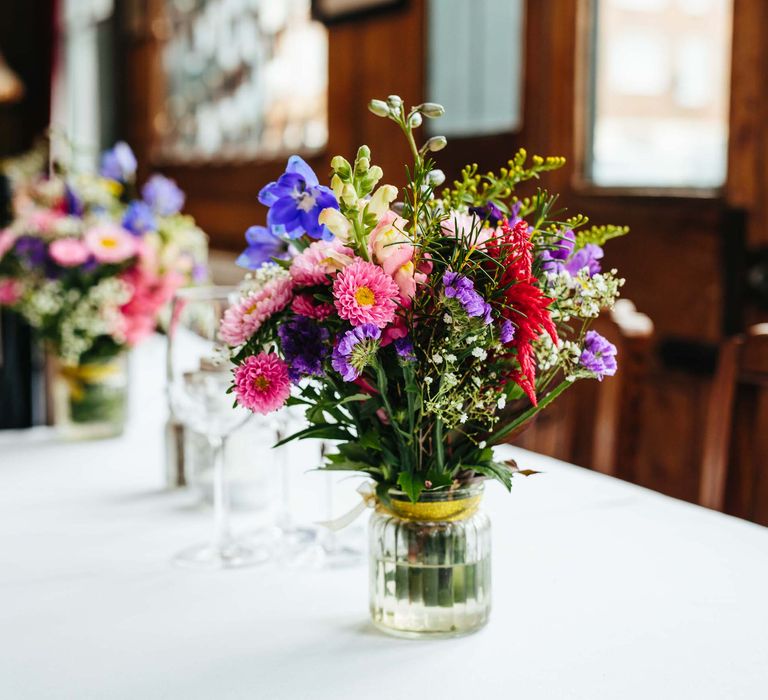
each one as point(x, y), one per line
point(90, 266)
point(418, 329)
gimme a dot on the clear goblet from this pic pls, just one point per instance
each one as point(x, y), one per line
point(199, 374)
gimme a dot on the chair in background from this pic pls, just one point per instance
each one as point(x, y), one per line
point(598, 424)
point(734, 474)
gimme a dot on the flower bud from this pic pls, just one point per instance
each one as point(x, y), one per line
point(379, 108)
point(394, 101)
point(341, 165)
point(415, 120)
point(363, 152)
point(436, 143)
point(361, 166)
point(435, 178)
point(431, 109)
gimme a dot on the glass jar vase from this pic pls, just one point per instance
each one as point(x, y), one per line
point(430, 564)
point(90, 399)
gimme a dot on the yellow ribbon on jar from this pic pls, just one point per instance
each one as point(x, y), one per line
point(432, 511)
point(77, 376)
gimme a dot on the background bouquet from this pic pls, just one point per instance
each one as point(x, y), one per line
point(417, 333)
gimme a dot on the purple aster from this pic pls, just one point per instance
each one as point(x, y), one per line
point(587, 257)
point(31, 250)
point(355, 350)
point(139, 218)
point(463, 290)
point(598, 356)
point(404, 349)
point(163, 195)
point(489, 212)
point(263, 245)
point(303, 343)
point(119, 163)
point(506, 331)
point(296, 200)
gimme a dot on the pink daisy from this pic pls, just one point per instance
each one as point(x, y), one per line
point(68, 252)
point(304, 305)
point(243, 319)
point(262, 383)
point(110, 243)
point(364, 293)
point(318, 261)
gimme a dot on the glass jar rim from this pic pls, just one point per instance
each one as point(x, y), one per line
point(465, 490)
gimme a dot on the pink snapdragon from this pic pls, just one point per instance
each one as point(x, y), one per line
point(319, 262)
point(149, 294)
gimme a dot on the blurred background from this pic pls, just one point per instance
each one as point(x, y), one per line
point(660, 107)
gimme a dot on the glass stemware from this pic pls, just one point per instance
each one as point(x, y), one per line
point(199, 374)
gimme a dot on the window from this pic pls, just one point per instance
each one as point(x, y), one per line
point(660, 93)
point(244, 79)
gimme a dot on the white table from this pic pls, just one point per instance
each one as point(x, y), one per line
point(602, 590)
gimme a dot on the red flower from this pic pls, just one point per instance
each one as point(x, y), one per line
point(526, 305)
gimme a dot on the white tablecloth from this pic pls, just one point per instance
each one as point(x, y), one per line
point(601, 590)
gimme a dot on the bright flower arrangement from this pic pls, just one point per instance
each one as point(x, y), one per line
point(90, 263)
point(417, 333)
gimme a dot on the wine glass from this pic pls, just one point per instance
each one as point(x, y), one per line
point(199, 374)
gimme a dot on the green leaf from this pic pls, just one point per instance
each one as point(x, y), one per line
point(411, 484)
point(326, 431)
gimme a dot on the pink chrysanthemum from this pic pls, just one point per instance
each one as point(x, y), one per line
point(318, 261)
point(262, 383)
point(364, 293)
point(243, 319)
point(304, 305)
point(109, 243)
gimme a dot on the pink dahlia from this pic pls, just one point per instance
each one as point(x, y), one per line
point(243, 319)
point(318, 261)
point(110, 243)
point(304, 305)
point(262, 383)
point(68, 252)
point(364, 293)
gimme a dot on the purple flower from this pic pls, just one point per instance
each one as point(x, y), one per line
point(463, 290)
point(404, 349)
point(138, 218)
point(598, 356)
point(263, 245)
point(506, 331)
point(296, 200)
point(489, 212)
point(199, 273)
point(553, 259)
point(119, 163)
point(589, 256)
point(303, 343)
point(31, 250)
point(355, 350)
point(163, 195)
point(73, 204)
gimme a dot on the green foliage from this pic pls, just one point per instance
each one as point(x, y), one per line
point(600, 234)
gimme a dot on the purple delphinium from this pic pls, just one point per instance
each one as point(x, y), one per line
point(73, 203)
point(296, 200)
point(163, 195)
point(598, 356)
point(463, 290)
point(119, 163)
point(506, 331)
point(489, 212)
point(355, 351)
point(554, 259)
point(139, 218)
point(404, 349)
point(31, 250)
point(263, 245)
point(589, 256)
point(303, 342)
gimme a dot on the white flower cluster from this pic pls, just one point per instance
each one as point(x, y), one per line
point(564, 355)
point(254, 281)
point(582, 296)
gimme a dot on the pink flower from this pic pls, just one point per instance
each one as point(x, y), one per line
point(43, 220)
point(318, 261)
point(150, 294)
point(10, 291)
point(364, 293)
point(304, 305)
point(68, 252)
point(110, 243)
point(7, 239)
point(243, 319)
point(469, 226)
point(262, 383)
point(393, 250)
